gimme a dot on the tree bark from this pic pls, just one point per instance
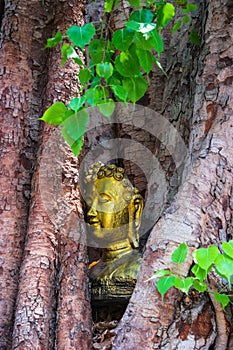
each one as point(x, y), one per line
point(22, 63)
point(42, 287)
point(201, 213)
point(46, 249)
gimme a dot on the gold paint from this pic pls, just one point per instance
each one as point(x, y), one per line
point(114, 209)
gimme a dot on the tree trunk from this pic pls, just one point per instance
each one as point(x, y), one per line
point(22, 63)
point(201, 213)
point(53, 271)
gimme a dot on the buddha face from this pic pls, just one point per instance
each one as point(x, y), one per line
point(107, 208)
point(114, 208)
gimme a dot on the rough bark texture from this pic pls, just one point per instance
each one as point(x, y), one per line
point(202, 211)
point(22, 64)
point(53, 272)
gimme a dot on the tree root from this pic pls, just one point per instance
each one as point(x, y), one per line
point(221, 341)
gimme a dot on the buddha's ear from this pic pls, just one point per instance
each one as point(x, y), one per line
point(135, 207)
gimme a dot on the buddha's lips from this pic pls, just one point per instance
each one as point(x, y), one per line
point(94, 222)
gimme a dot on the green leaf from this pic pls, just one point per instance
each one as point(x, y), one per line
point(93, 96)
point(120, 92)
point(200, 273)
point(194, 38)
point(164, 284)
point(165, 14)
point(95, 82)
point(96, 50)
point(55, 114)
point(180, 254)
point(145, 59)
point(84, 75)
point(136, 88)
point(77, 103)
point(205, 257)
point(200, 286)
point(123, 38)
point(110, 4)
point(135, 3)
point(156, 40)
point(69, 52)
point(51, 42)
point(107, 108)
point(142, 16)
point(224, 267)
point(176, 26)
point(113, 80)
point(81, 36)
point(76, 145)
point(75, 125)
point(186, 19)
point(127, 64)
point(104, 70)
point(222, 298)
point(190, 8)
point(141, 42)
point(228, 248)
point(141, 27)
point(159, 273)
point(183, 284)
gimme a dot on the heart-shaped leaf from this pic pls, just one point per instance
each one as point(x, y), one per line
point(77, 103)
point(200, 273)
point(165, 14)
point(81, 35)
point(107, 108)
point(55, 114)
point(127, 64)
point(179, 255)
point(120, 92)
point(123, 38)
point(222, 298)
point(164, 284)
point(205, 257)
point(224, 267)
point(199, 286)
point(75, 125)
point(84, 75)
point(184, 284)
point(136, 88)
point(228, 248)
point(104, 70)
point(142, 16)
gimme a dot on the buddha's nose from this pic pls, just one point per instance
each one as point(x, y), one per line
point(92, 211)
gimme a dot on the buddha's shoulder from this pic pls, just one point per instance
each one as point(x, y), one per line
point(124, 268)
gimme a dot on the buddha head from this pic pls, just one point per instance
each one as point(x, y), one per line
point(114, 206)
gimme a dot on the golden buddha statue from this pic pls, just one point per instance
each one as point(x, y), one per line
point(113, 215)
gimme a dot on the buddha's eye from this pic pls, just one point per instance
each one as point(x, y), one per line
point(104, 198)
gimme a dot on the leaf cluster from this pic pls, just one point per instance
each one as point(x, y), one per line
point(118, 65)
point(205, 260)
